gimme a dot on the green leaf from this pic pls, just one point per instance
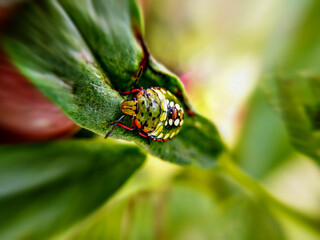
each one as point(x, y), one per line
point(181, 212)
point(47, 187)
point(82, 53)
point(292, 82)
point(264, 142)
point(297, 97)
point(303, 51)
point(296, 46)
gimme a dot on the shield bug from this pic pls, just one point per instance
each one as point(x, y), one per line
point(155, 112)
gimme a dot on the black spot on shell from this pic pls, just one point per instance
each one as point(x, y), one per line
point(142, 114)
point(153, 118)
point(150, 114)
point(151, 104)
point(142, 103)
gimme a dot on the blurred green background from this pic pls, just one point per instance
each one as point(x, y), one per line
point(225, 52)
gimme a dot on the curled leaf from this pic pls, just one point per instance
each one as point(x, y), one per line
point(83, 53)
point(297, 97)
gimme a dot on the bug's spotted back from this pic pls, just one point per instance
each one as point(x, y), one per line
point(149, 110)
point(155, 112)
point(160, 113)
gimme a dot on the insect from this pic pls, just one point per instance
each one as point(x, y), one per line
point(155, 112)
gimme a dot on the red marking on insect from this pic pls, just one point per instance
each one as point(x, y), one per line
point(133, 123)
point(146, 130)
point(137, 123)
point(139, 94)
point(143, 135)
point(174, 113)
point(181, 115)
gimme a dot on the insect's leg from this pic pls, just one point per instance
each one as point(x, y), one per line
point(133, 122)
point(119, 124)
point(132, 91)
point(108, 134)
point(125, 126)
point(143, 135)
point(135, 81)
point(114, 125)
point(138, 76)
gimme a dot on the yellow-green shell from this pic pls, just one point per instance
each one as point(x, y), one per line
point(160, 113)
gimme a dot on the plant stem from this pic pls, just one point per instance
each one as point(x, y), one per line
point(231, 169)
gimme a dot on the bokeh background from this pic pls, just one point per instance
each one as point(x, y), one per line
point(222, 51)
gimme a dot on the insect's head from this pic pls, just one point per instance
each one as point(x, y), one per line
point(130, 107)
